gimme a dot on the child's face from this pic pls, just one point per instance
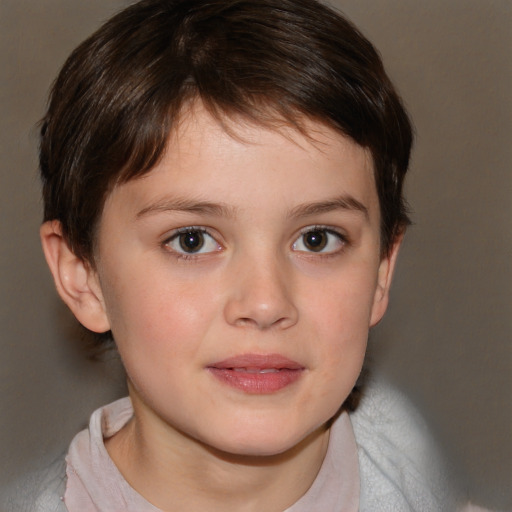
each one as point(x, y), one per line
point(240, 278)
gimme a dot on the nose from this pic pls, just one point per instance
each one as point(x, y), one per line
point(261, 296)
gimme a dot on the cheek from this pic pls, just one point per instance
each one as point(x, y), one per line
point(340, 315)
point(343, 303)
point(154, 310)
point(158, 336)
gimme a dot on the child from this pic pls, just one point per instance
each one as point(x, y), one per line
point(223, 200)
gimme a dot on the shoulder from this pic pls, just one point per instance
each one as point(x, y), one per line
point(39, 490)
point(385, 413)
point(401, 466)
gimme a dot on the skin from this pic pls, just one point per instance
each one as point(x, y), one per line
point(255, 287)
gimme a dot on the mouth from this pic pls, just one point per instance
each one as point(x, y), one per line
point(257, 374)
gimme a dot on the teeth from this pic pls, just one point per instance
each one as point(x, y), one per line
point(256, 370)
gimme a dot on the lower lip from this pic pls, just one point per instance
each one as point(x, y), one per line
point(257, 383)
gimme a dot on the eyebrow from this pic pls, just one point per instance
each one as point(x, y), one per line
point(345, 202)
point(187, 205)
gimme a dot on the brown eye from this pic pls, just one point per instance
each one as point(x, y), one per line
point(191, 241)
point(320, 240)
point(315, 241)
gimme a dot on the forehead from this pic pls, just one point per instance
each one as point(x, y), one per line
point(250, 166)
point(196, 121)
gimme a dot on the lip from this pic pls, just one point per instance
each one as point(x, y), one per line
point(257, 373)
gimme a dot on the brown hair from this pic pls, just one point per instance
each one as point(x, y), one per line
point(121, 92)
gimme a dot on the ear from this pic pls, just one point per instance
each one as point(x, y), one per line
point(77, 283)
point(384, 278)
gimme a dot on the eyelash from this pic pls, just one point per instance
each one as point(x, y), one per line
point(181, 231)
point(343, 240)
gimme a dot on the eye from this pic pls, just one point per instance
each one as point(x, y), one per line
point(319, 240)
point(192, 241)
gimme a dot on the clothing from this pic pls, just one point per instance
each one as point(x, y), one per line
point(381, 455)
point(91, 472)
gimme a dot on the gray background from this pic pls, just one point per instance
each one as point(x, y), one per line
point(446, 340)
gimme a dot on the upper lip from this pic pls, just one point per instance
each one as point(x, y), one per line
point(257, 361)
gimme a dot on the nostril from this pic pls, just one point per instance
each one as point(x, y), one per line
point(264, 323)
point(244, 321)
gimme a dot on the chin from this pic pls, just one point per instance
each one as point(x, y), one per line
point(273, 442)
point(255, 450)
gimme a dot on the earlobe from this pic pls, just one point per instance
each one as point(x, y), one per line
point(384, 278)
point(76, 282)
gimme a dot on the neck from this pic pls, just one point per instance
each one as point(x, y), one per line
point(175, 472)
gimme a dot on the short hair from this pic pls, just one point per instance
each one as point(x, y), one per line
point(121, 92)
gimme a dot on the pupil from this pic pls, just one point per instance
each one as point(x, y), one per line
point(191, 241)
point(315, 240)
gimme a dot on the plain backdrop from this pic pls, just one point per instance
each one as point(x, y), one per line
point(446, 340)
